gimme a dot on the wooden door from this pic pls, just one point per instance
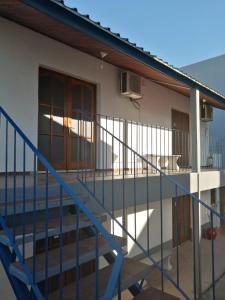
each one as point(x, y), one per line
point(222, 204)
point(52, 108)
point(66, 112)
point(181, 219)
point(80, 123)
point(180, 126)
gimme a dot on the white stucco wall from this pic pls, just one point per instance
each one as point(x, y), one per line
point(23, 51)
point(141, 226)
point(205, 214)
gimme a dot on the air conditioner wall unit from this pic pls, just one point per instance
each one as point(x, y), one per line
point(130, 85)
point(206, 112)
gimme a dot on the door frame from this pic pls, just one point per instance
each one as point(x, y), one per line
point(186, 153)
point(67, 79)
point(181, 199)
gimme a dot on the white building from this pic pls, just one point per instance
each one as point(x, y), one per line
point(60, 82)
point(212, 72)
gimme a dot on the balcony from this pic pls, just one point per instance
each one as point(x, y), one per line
point(101, 147)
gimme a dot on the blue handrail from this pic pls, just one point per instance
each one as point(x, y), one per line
point(106, 136)
point(63, 185)
point(169, 178)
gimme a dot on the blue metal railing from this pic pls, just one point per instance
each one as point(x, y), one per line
point(26, 195)
point(128, 191)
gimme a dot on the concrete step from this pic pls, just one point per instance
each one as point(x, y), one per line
point(53, 201)
point(25, 233)
point(132, 271)
point(153, 293)
point(87, 252)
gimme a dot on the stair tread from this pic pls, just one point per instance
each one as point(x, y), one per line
point(132, 271)
point(156, 294)
point(87, 252)
point(69, 224)
point(40, 203)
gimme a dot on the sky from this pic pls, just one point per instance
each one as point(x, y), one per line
point(181, 32)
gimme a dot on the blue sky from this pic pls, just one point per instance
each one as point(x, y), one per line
point(179, 31)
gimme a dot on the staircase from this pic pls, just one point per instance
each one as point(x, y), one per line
point(55, 242)
point(48, 235)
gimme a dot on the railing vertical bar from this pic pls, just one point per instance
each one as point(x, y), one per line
point(164, 155)
point(34, 215)
point(78, 143)
point(61, 243)
point(77, 253)
point(24, 201)
point(106, 154)
point(177, 235)
point(147, 130)
point(97, 264)
point(194, 249)
point(95, 139)
point(14, 186)
point(213, 256)
point(135, 204)
point(137, 143)
point(119, 287)
point(168, 148)
point(161, 232)
point(151, 149)
point(113, 204)
point(104, 144)
point(86, 158)
point(131, 141)
point(142, 138)
point(46, 233)
point(119, 147)
point(92, 148)
point(124, 166)
point(6, 169)
point(157, 141)
point(147, 205)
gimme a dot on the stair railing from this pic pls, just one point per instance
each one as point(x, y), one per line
point(122, 187)
point(23, 191)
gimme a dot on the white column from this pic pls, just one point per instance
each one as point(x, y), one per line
point(195, 130)
point(195, 136)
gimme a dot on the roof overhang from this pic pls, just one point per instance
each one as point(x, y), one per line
point(53, 19)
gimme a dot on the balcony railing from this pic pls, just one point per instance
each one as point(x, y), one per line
point(212, 152)
point(164, 147)
point(149, 213)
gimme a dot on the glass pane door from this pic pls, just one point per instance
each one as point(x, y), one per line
point(66, 112)
point(81, 131)
point(51, 118)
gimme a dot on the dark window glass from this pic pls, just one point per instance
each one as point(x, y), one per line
point(44, 119)
point(76, 98)
point(57, 149)
point(45, 90)
point(87, 96)
point(58, 92)
point(75, 125)
point(57, 121)
point(75, 149)
point(44, 146)
point(87, 148)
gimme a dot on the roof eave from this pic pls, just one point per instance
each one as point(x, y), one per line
point(90, 28)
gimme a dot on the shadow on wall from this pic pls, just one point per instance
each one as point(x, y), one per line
point(145, 226)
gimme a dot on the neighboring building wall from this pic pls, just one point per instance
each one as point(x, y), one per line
point(212, 72)
point(23, 51)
